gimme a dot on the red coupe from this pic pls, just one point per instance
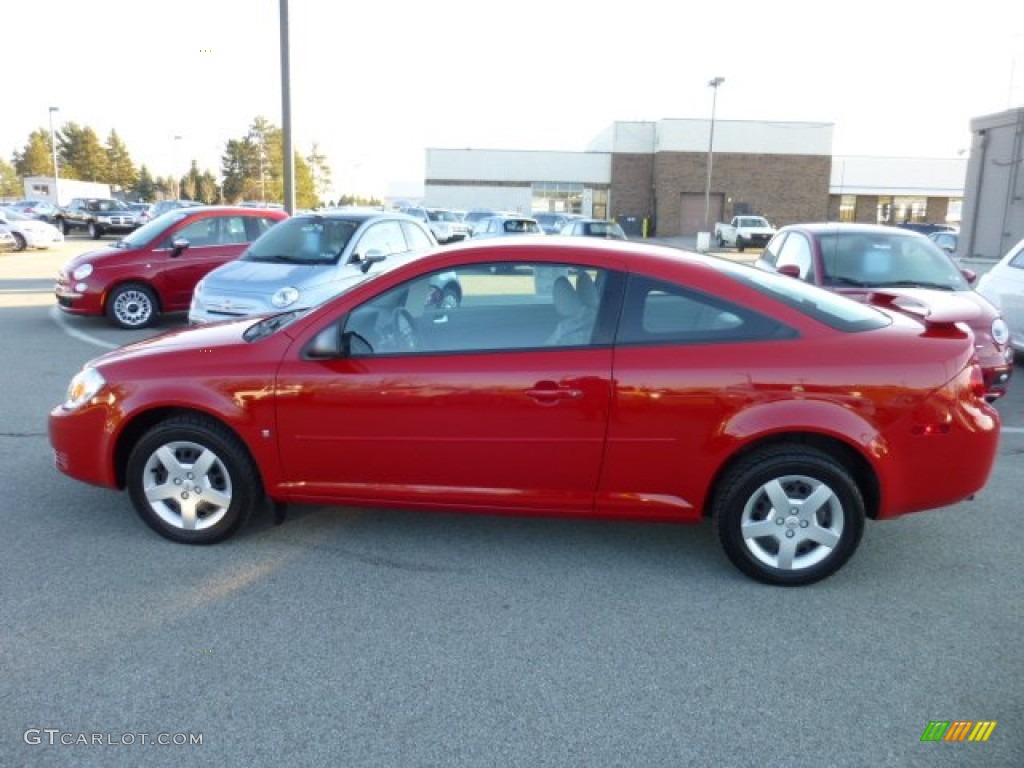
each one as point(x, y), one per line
point(576, 377)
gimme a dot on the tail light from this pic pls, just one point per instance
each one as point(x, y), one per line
point(976, 385)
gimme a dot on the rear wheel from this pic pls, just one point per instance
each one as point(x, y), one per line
point(64, 226)
point(131, 306)
point(192, 480)
point(789, 515)
point(20, 243)
point(94, 231)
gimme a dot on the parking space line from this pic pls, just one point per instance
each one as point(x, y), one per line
point(58, 318)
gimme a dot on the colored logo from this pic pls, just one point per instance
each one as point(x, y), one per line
point(958, 730)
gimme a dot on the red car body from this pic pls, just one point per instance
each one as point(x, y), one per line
point(823, 249)
point(155, 269)
point(629, 423)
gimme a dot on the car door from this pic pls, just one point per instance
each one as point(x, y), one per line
point(483, 411)
point(684, 362)
point(213, 239)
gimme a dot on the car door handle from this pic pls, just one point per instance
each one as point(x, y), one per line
point(552, 393)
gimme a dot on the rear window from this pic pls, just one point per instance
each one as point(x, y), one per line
point(832, 309)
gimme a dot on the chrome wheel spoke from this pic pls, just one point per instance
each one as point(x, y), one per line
point(824, 536)
point(787, 551)
point(778, 497)
point(760, 529)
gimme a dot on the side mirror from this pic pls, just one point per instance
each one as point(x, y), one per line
point(790, 270)
point(178, 245)
point(327, 344)
point(969, 274)
point(371, 257)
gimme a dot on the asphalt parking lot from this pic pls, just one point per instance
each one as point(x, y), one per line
point(370, 638)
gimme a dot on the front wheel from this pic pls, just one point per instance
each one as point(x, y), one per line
point(789, 515)
point(131, 306)
point(740, 244)
point(192, 480)
point(20, 243)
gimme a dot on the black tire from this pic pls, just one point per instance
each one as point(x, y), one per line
point(131, 306)
point(95, 232)
point(64, 226)
point(186, 504)
point(20, 243)
point(806, 543)
point(721, 242)
point(740, 245)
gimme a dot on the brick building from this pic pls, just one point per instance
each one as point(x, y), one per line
point(653, 177)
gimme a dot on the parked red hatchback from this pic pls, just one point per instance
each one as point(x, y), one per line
point(154, 269)
point(576, 377)
point(882, 265)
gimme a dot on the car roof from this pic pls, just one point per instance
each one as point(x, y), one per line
point(836, 227)
point(245, 210)
point(356, 214)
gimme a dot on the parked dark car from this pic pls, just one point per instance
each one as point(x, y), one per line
point(155, 269)
point(946, 240)
point(891, 266)
point(98, 216)
point(589, 379)
point(552, 223)
point(926, 228)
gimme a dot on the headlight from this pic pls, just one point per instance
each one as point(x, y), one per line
point(285, 297)
point(82, 272)
point(83, 387)
point(1000, 331)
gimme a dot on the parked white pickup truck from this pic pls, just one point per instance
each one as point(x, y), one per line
point(743, 231)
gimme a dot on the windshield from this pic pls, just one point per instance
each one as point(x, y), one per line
point(152, 230)
point(303, 240)
point(879, 260)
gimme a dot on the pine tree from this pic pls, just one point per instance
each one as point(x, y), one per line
point(35, 159)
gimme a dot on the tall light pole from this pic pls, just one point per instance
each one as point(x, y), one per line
point(53, 149)
point(174, 160)
point(714, 83)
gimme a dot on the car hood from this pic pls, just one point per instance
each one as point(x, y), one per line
point(198, 339)
point(94, 257)
point(263, 278)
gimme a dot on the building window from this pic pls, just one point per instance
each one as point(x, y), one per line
point(848, 208)
point(557, 197)
point(909, 209)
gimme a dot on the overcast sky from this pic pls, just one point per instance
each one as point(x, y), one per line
point(376, 83)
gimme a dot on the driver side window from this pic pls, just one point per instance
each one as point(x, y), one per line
point(796, 251)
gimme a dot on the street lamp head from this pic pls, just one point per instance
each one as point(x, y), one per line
point(715, 82)
point(55, 109)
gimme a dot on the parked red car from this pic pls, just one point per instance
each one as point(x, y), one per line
point(154, 269)
point(882, 265)
point(579, 377)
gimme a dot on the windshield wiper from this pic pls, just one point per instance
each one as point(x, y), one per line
point(914, 284)
point(840, 280)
